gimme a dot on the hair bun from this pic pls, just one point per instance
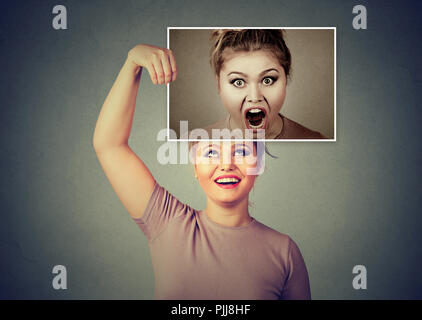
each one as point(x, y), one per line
point(247, 40)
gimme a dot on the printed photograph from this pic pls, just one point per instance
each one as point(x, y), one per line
point(269, 83)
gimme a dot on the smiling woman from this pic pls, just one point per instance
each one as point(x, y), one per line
point(223, 171)
point(220, 252)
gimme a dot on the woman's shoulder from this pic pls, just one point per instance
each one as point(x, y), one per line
point(165, 203)
point(272, 235)
point(294, 130)
point(277, 241)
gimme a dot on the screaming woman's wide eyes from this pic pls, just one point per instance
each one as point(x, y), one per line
point(268, 81)
point(238, 83)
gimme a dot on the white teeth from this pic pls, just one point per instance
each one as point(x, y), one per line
point(254, 110)
point(227, 180)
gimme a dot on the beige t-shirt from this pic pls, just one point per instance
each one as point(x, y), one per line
point(196, 258)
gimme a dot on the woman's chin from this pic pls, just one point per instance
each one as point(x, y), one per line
point(228, 200)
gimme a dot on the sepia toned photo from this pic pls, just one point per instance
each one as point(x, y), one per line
point(269, 83)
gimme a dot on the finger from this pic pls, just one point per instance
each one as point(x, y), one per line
point(152, 73)
point(166, 67)
point(156, 61)
point(173, 65)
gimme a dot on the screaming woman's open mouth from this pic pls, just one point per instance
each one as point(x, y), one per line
point(255, 118)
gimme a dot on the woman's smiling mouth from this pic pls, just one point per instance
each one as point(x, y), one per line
point(255, 118)
point(228, 182)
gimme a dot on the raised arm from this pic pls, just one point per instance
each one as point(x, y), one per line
point(128, 175)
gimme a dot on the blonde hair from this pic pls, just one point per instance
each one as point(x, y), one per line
point(248, 40)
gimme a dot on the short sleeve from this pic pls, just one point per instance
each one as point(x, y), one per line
point(296, 286)
point(161, 210)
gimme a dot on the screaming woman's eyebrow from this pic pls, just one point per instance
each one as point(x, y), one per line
point(245, 75)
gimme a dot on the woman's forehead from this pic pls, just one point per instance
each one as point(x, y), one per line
point(224, 144)
point(222, 147)
point(261, 58)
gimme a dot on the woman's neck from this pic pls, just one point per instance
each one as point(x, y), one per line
point(275, 129)
point(233, 215)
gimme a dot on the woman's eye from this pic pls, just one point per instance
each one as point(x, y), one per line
point(241, 152)
point(268, 81)
point(238, 83)
point(211, 154)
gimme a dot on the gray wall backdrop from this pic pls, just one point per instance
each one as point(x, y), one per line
point(310, 90)
point(356, 201)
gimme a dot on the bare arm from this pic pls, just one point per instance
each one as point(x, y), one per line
point(128, 175)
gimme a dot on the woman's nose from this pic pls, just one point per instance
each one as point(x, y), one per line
point(226, 162)
point(226, 166)
point(254, 94)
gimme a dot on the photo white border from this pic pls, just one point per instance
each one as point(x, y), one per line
point(265, 140)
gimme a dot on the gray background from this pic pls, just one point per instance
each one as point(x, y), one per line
point(356, 201)
point(310, 89)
